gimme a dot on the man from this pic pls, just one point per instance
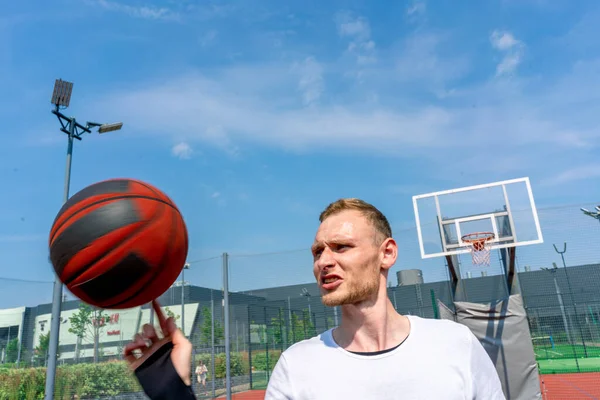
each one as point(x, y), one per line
point(375, 353)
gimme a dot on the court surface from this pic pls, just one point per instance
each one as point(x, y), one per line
point(248, 395)
point(570, 386)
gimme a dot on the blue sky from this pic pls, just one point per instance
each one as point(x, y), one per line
point(253, 117)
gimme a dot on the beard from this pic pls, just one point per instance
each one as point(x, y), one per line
point(353, 291)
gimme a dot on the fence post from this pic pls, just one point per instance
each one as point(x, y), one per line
point(283, 341)
point(250, 347)
point(266, 343)
point(289, 324)
point(212, 339)
point(226, 317)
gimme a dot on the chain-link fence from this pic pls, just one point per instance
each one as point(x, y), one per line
point(272, 302)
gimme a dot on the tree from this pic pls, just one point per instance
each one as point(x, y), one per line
point(171, 314)
point(12, 350)
point(87, 323)
point(277, 328)
point(259, 330)
point(298, 332)
point(206, 330)
point(41, 350)
point(309, 327)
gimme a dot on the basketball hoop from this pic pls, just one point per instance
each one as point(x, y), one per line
point(480, 246)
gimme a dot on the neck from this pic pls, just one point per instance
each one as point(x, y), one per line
point(372, 325)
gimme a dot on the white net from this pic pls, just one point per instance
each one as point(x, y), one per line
point(480, 247)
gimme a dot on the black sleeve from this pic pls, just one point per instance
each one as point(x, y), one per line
point(160, 380)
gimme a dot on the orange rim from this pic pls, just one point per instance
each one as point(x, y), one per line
point(478, 239)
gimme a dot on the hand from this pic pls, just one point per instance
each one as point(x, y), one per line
point(148, 342)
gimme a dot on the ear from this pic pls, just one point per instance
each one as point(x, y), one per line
point(389, 253)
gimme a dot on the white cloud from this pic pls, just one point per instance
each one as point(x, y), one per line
point(420, 62)
point(580, 173)
point(503, 40)
point(182, 151)
point(354, 27)
point(22, 238)
point(208, 38)
point(358, 30)
point(416, 9)
point(503, 123)
point(311, 80)
point(143, 12)
point(512, 48)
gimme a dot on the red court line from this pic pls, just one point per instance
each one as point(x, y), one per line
point(249, 395)
point(584, 385)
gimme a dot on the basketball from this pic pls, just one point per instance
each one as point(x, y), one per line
point(118, 243)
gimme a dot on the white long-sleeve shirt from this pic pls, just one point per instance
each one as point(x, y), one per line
point(439, 359)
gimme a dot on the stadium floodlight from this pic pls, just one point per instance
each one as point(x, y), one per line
point(61, 97)
point(103, 128)
point(593, 214)
point(62, 93)
point(110, 127)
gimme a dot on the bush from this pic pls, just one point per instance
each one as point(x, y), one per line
point(259, 359)
point(87, 381)
point(238, 364)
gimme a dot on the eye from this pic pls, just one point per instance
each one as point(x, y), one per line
point(317, 252)
point(341, 247)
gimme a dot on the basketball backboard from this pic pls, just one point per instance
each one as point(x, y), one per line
point(506, 209)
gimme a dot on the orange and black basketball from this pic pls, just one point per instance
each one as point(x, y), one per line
point(118, 244)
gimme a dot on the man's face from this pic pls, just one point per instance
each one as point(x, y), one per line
point(347, 259)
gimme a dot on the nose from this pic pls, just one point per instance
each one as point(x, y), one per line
point(325, 260)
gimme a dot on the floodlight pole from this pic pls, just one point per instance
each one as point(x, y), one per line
point(74, 130)
point(562, 309)
point(58, 286)
point(562, 255)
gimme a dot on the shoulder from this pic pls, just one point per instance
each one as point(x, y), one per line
point(445, 324)
point(441, 331)
point(310, 348)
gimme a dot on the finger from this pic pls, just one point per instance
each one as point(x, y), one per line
point(139, 340)
point(170, 326)
point(130, 349)
point(161, 316)
point(149, 333)
point(178, 337)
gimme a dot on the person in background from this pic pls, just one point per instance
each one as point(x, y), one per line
point(201, 372)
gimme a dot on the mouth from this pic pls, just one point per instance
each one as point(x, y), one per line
point(330, 281)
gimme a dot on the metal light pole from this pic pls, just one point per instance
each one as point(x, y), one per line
point(61, 97)
point(306, 294)
point(560, 301)
point(186, 266)
point(562, 255)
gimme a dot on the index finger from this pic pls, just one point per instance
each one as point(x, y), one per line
point(161, 317)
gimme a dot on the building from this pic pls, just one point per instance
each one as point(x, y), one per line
point(300, 305)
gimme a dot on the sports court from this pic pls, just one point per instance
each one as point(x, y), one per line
point(553, 307)
point(185, 152)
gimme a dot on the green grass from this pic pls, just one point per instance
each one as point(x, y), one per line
point(259, 380)
point(565, 351)
point(565, 366)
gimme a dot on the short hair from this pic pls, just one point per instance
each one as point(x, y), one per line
point(369, 211)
